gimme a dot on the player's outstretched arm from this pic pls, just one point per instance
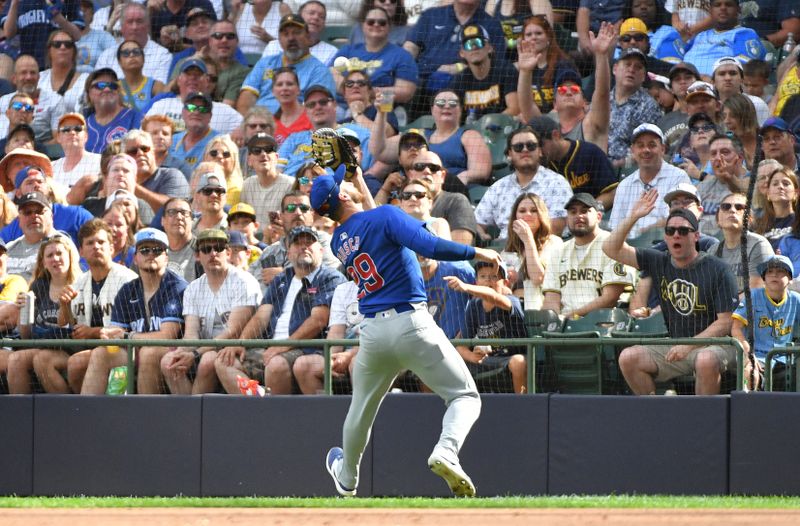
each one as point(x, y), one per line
point(488, 255)
point(615, 246)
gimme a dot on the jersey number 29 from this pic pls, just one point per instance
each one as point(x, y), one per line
point(364, 270)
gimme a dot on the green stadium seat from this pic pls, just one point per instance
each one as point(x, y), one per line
point(495, 127)
point(539, 321)
point(653, 326)
point(252, 58)
point(336, 35)
point(476, 192)
point(591, 369)
point(647, 238)
point(424, 122)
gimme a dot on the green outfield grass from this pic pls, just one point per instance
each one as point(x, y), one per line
point(614, 501)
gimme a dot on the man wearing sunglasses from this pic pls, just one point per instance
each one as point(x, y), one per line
point(697, 296)
point(35, 223)
point(488, 84)
point(19, 111)
point(154, 184)
point(216, 305)
point(633, 33)
point(295, 212)
point(47, 105)
point(210, 198)
point(295, 42)
point(266, 188)
point(320, 107)
point(149, 307)
point(296, 306)
point(194, 78)
point(110, 119)
point(72, 134)
point(223, 48)
point(196, 113)
point(529, 175)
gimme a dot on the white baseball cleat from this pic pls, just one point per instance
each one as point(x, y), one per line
point(333, 463)
point(460, 483)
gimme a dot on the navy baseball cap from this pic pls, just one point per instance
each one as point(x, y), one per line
point(633, 52)
point(194, 63)
point(474, 31)
point(317, 88)
point(237, 239)
point(502, 270)
point(325, 195)
point(301, 230)
point(568, 75)
point(781, 262)
point(685, 214)
point(772, 122)
point(151, 234)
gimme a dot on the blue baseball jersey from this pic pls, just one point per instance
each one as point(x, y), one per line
point(496, 323)
point(309, 70)
point(100, 136)
point(296, 149)
point(446, 305)
point(377, 249)
point(392, 62)
point(773, 321)
point(666, 44)
point(740, 42)
point(193, 155)
point(166, 305)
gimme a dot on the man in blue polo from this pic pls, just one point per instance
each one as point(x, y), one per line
point(296, 306)
point(189, 145)
point(149, 307)
point(295, 42)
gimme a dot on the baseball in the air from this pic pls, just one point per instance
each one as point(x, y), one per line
point(341, 63)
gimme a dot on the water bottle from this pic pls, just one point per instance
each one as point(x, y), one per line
point(788, 46)
point(472, 117)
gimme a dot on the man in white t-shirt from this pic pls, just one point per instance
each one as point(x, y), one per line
point(216, 305)
point(72, 135)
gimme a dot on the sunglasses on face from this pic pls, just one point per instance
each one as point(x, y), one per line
point(58, 44)
point(219, 153)
point(223, 36)
point(175, 212)
point(132, 52)
point(702, 128)
point(352, 83)
point(572, 88)
point(473, 43)
point(405, 196)
point(681, 230)
point(376, 22)
point(303, 179)
point(78, 128)
point(258, 150)
point(638, 37)
point(134, 150)
point(413, 146)
point(529, 145)
point(420, 167)
point(257, 126)
point(441, 103)
point(292, 208)
point(210, 191)
point(216, 247)
point(146, 251)
point(321, 103)
point(102, 85)
point(24, 106)
point(727, 206)
point(196, 108)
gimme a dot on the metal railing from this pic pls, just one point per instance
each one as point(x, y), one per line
point(792, 350)
point(532, 344)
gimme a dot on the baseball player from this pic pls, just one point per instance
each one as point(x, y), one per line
point(377, 249)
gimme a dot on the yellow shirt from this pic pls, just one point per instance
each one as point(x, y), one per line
point(10, 286)
point(789, 85)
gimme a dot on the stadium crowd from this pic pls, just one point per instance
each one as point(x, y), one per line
point(157, 167)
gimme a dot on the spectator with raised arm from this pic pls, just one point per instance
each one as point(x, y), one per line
point(34, 21)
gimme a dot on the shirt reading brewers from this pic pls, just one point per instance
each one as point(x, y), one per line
point(579, 273)
point(690, 297)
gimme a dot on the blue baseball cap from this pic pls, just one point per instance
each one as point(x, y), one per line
point(781, 262)
point(325, 195)
point(237, 239)
point(194, 63)
point(302, 230)
point(775, 122)
point(151, 234)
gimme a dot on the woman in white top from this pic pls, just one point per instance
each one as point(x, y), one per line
point(63, 78)
point(529, 237)
point(77, 162)
point(257, 22)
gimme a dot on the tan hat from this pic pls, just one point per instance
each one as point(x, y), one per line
point(31, 157)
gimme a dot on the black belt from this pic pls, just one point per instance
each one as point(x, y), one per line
point(398, 309)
